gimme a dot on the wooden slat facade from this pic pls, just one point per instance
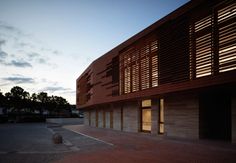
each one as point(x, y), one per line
point(192, 48)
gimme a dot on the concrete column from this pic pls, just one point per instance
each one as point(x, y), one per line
point(93, 118)
point(86, 118)
point(100, 118)
point(233, 116)
point(155, 116)
point(107, 113)
point(117, 117)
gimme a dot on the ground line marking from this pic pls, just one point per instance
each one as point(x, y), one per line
point(90, 137)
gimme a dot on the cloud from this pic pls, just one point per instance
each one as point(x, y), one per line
point(33, 55)
point(4, 26)
point(3, 54)
point(19, 63)
point(37, 58)
point(42, 61)
point(53, 89)
point(2, 42)
point(16, 63)
point(69, 92)
point(23, 45)
point(18, 79)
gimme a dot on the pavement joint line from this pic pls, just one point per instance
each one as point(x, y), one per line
point(45, 152)
point(91, 137)
point(65, 142)
point(51, 130)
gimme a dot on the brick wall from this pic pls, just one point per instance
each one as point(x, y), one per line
point(181, 116)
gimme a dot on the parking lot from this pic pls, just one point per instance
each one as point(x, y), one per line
point(32, 142)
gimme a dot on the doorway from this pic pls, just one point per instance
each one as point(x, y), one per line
point(146, 119)
point(215, 115)
point(146, 116)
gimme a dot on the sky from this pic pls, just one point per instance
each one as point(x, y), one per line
point(46, 44)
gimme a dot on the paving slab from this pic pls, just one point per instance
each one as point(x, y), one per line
point(142, 147)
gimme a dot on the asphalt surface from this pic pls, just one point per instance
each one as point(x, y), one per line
point(32, 142)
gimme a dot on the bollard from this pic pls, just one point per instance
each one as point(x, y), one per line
point(57, 138)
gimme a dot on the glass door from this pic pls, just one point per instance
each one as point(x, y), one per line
point(146, 119)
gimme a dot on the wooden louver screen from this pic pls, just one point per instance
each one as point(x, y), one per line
point(139, 67)
point(145, 67)
point(227, 38)
point(154, 61)
point(203, 43)
point(173, 51)
point(213, 42)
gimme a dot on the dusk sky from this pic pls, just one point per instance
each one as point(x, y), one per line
point(46, 44)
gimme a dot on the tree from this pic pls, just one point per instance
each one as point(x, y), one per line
point(18, 97)
point(17, 92)
point(2, 99)
point(42, 97)
point(33, 97)
point(20, 101)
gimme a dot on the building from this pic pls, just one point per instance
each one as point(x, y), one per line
point(176, 78)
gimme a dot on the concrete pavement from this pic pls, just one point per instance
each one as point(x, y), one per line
point(32, 142)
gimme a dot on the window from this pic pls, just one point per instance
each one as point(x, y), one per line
point(139, 67)
point(146, 103)
point(161, 117)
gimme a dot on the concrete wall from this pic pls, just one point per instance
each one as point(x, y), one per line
point(233, 112)
point(181, 116)
point(117, 117)
point(107, 113)
point(131, 120)
point(100, 118)
point(93, 118)
point(86, 118)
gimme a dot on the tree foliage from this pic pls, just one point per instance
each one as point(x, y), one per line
point(18, 100)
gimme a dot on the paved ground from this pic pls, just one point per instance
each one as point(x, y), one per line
point(32, 142)
point(28, 143)
point(142, 148)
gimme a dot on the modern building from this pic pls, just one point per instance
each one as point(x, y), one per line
point(176, 78)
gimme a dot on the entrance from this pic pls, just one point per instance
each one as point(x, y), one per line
point(215, 115)
point(146, 118)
